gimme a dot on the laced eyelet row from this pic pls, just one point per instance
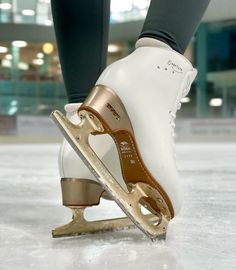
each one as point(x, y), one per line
point(178, 107)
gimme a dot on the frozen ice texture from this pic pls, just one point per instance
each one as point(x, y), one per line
point(202, 237)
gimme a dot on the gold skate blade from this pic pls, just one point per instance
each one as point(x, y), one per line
point(77, 136)
point(80, 226)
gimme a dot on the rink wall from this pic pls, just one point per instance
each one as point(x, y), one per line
point(29, 129)
point(41, 129)
point(207, 129)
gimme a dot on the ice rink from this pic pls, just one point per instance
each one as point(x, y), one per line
point(202, 237)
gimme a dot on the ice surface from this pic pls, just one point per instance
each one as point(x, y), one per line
point(202, 237)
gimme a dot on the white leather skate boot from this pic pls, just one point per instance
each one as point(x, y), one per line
point(135, 101)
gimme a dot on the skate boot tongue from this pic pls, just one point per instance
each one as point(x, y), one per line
point(176, 105)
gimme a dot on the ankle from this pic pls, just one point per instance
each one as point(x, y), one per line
point(151, 42)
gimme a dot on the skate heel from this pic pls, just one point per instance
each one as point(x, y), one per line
point(104, 113)
point(77, 194)
point(108, 108)
point(80, 192)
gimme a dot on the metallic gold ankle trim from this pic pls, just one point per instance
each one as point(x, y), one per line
point(102, 101)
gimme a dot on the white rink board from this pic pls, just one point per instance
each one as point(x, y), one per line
point(42, 129)
point(203, 236)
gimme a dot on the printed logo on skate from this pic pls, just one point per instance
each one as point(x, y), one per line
point(127, 152)
point(113, 111)
point(124, 147)
point(175, 67)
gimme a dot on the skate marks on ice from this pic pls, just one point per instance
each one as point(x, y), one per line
point(113, 252)
point(202, 237)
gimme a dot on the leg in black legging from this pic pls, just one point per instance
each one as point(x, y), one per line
point(173, 22)
point(81, 28)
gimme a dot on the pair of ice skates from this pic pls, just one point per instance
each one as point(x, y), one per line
point(135, 102)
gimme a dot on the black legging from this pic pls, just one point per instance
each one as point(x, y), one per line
point(82, 26)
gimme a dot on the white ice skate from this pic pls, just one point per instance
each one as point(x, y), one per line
point(135, 101)
point(80, 189)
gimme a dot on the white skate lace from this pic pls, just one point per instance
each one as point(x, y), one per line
point(176, 108)
point(173, 116)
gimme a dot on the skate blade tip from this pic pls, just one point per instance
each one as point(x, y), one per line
point(56, 234)
point(64, 235)
point(54, 113)
point(158, 237)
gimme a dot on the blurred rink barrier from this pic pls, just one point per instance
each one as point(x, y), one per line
point(40, 129)
point(28, 129)
point(206, 129)
point(8, 125)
